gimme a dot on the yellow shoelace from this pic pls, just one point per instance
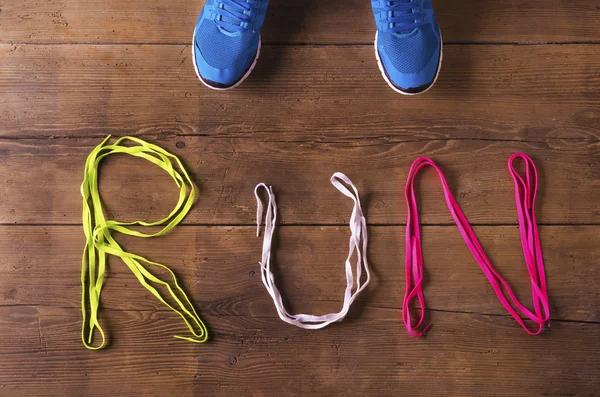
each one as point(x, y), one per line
point(99, 241)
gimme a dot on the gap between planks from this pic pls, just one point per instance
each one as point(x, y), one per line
point(429, 309)
point(299, 44)
point(474, 224)
point(369, 141)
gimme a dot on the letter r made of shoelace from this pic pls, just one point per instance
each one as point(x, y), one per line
point(100, 243)
point(525, 195)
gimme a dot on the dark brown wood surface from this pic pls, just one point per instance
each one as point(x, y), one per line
point(300, 93)
point(309, 262)
point(227, 169)
point(517, 76)
point(295, 21)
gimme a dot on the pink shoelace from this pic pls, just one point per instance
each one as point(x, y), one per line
point(525, 194)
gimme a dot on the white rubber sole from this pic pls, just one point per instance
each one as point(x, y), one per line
point(244, 77)
point(392, 86)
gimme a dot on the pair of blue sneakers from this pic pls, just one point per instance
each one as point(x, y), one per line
point(408, 43)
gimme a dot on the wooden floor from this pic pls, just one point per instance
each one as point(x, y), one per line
point(517, 76)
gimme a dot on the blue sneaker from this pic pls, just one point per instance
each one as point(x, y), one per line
point(408, 44)
point(227, 41)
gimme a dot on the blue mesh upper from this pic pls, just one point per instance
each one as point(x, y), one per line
point(410, 53)
point(219, 50)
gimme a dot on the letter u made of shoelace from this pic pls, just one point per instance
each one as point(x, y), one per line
point(358, 245)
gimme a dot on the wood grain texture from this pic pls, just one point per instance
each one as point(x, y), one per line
point(469, 355)
point(226, 171)
point(295, 21)
point(517, 76)
point(218, 266)
point(300, 93)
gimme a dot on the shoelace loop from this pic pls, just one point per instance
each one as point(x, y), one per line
point(525, 194)
point(358, 244)
point(234, 15)
point(403, 16)
point(100, 242)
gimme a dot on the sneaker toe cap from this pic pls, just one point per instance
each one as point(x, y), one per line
point(221, 60)
point(410, 63)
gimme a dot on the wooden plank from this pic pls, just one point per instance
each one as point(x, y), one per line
point(42, 179)
point(219, 267)
point(296, 21)
point(467, 356)
point(300, 93)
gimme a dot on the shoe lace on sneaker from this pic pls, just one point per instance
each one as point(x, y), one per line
point(403, 16)
point(235, 15)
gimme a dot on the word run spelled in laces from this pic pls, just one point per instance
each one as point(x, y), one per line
point(100, 242)
point(358, 243)
point(525, 194)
